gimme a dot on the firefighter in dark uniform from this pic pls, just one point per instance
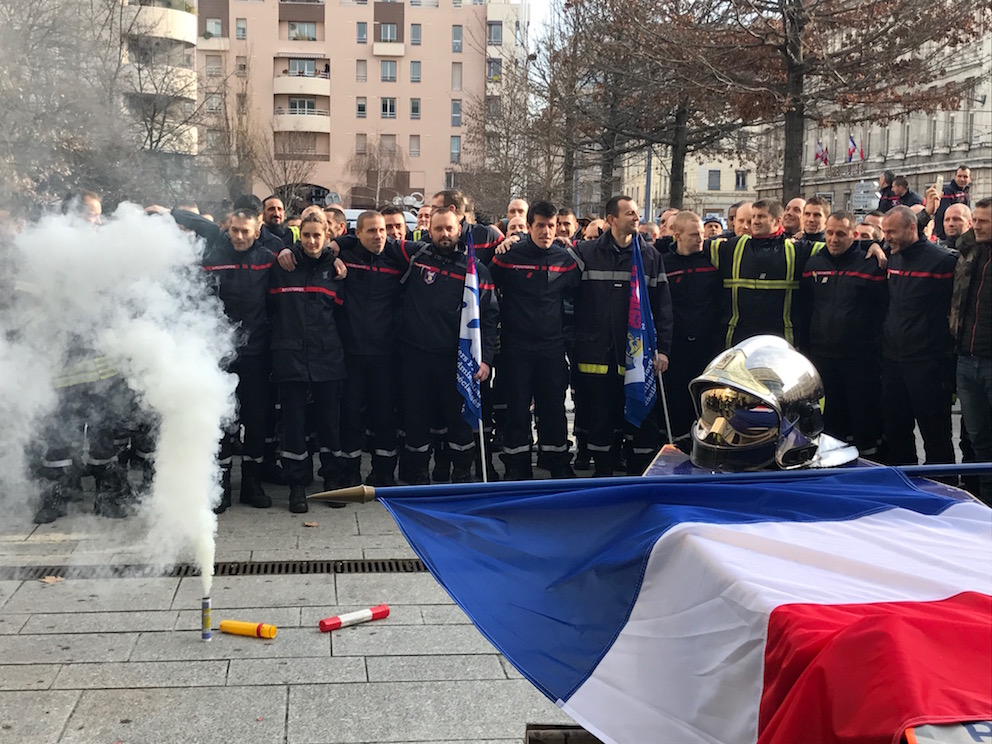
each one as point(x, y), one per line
point(533, 278)
point(696, 290)
point(429, 345)
point(917, 346)
point(601, 309)
point(239, 266)
point(375, 265)
point(308, 357)
point(957, 191)
point(846, 297)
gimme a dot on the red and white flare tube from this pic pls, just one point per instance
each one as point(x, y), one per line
point(354, 618)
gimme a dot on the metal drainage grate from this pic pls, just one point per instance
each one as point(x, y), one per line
point(227, 568)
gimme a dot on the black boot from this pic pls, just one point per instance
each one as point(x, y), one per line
point(583, 461)
point(53, 501)
point(225, 496)
point(562, 470)
point(604, 465)
point(518, 467)
point(252, 492)
point(383, 467)
point(462, 473)
point(350, 473)
point(298, 500)
point(113, 493)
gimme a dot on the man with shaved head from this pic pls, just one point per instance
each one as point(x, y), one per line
point(917, 347)
point(957, 221)
point(792, 219)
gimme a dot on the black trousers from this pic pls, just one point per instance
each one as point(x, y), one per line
point(326, 396)
point(254, 413)
point(371, 387)
point(87, 412)
point(687, 361)
point(580, 404)
point(543, 380)
point(428, 389)
point(606, 404)
point(917, 391)
point(851, 409)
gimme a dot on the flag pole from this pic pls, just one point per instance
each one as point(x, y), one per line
point(664, 406)
point(482, 451)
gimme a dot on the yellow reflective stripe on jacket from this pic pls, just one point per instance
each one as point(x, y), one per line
point(296, 233)
point(817, 247)
point(790, 276)
point(715, 251)
point(735, 276)
point(598, 369)
point(85, 371)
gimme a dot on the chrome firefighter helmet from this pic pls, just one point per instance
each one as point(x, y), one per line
point(758, 404)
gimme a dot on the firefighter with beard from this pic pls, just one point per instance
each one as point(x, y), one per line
point(428, 334)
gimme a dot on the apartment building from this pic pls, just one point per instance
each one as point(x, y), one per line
point(367, 99)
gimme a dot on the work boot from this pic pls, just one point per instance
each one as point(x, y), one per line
point(604, 465)
point(113, 494)
point(462, 474)
point(517, 471)
point(383, 467)
point(53, 501)
point(350, 473)
point(225, 496)
point(252, 493)
point(298, 500)
point(559, 472)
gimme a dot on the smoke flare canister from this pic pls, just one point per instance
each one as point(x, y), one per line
point(354, 618)
point(253, 630)
point(205, 622)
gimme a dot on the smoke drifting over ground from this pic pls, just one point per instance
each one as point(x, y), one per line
point(132, 291)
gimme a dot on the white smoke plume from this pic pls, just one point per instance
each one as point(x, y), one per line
point(131, 290)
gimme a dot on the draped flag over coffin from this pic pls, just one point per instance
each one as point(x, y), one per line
point(835, 609)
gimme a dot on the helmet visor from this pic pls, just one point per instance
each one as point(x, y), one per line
point(730, 417)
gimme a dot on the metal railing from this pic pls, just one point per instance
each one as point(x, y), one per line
point(183, 5)
point(281, 111)
point(304, 74)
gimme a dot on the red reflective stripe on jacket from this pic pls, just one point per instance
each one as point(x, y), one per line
point(922, 274)
point(317, 290)
point(857, 274)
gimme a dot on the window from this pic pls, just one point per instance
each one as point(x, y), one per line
point(215, 67)
point(241, 28)
point(414, 148)
point(456, 149)
point(492, 107)
point(456, 113)
point(215, 140)
point(387, 70)
point(414, 108)
point(713, 180)
point(387, 143)
point(415, 71)
point(361, 143)
point(456, 3)
point(302, 105)
point(388, 108)
point(241, 66)
point(362, 32)
point(387, 32)
point(456, 38)
point(740, 180)
point(361, 106)
point(456, 76)
point(302, 67)
point(414, 34)
point(494, 33)
point(213, 27)
point(299, 31)
point(494, 69)
point(361, 70)
point(213, 102)
point(450, 180)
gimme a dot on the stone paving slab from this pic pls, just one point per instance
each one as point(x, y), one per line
point(186, 645)
point(93, 595)
point(433, 668)
point(510, 670)
point(415, 711)
point(314, 546)
point(13, 550)
point(40, 559)
point(381, 554)
point(368, 590)
point(35, 717)
point(281, 617)
point(398, 614)
point(410, 640)
point(131, 674)
point(331, 670)
point(226, 544)
point(63, 649)
point(375, 520)
point(450, 614)
point(7, 589)
point(300, 590)
point(27, 677)
point(205, 715)
point(10, 624)
point(102, 622)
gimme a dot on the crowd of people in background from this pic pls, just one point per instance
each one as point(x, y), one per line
point(350, 333)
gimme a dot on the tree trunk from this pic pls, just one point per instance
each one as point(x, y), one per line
point(795, 111)
point(680, 148)
point(568, 166)
point(606, 168)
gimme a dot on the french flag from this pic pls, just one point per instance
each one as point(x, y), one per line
point(838, 609)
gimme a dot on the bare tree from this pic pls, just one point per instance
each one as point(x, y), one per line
point(376, 171)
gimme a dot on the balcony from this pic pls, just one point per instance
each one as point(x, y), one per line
point(166, 81)
point(318, 84)
point(302, 120)
point(161, 20)
point(213, 44)
point(388, 49)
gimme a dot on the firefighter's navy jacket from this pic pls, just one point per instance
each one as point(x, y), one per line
point(603, 300)
point(533, 282)
point(240, 279)
point(847, 296)
point(921, 280)
point(697, 290)
point(304, 303)
point(373, 284)
point(433, 300)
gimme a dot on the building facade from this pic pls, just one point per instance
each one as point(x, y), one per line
point(361, 102)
